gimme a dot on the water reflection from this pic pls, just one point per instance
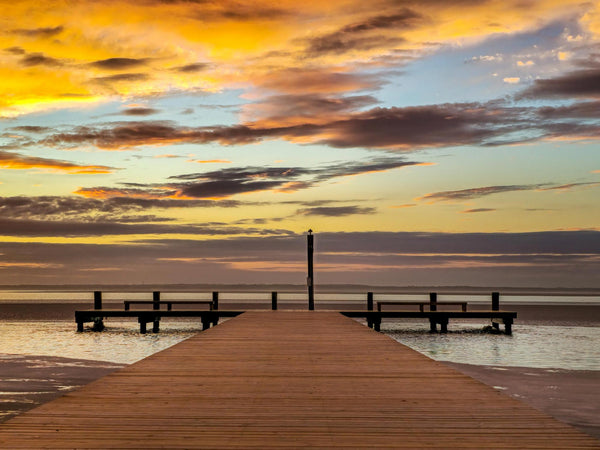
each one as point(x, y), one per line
point(120, 343)
point(564, 347)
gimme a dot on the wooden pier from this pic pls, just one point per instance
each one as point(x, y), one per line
point(292, 379)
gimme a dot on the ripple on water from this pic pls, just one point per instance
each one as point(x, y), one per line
point(120, 343)
point(564, 347)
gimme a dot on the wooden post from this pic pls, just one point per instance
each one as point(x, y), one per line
point(156, 300)
point(156, 325)
point(215, 300)
point(444, 325)
point(97, 299)
point(496, 307)
point(206, 321)
point(369, 308)
point(432, 301)
point(432, 325)
point(310, 279)
point(142, 327)
point(495, 301)
point(274, 301)
point(369, 301)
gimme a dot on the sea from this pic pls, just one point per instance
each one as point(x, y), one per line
point(530, 345)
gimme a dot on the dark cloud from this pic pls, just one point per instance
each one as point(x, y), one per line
point(565, 187)
point(192, 68)
point(577, 84)
point(413, 127)
point(44, 32)
point(231, 181)
point(471, 193)
point(31, 129)
point(63, 228)
point(15, 50)
point(336, 211)
point(364, 35)
point(140, 111)
point(122, 77)
point(119, 63)
point(478, 210)
point(581, 110)
point(39, 59)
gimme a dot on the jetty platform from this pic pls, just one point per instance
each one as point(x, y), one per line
point(292, 379)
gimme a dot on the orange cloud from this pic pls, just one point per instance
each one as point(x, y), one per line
point(65, 53)
point(16, 161)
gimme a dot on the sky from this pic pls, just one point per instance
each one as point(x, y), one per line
point(196, 141)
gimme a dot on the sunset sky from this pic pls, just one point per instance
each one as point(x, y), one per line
point(181, 141)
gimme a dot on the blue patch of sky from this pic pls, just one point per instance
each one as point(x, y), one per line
point(473, 73)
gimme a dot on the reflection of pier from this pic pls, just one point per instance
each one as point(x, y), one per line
point(288, 379)
point(436, 312)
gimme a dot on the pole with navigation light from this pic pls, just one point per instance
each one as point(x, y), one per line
point(310, 280)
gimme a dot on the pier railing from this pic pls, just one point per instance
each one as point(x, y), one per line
point(211, 313)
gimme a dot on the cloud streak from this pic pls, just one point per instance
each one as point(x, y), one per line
point(9, 160)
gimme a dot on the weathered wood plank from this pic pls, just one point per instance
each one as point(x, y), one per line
point(288, 379)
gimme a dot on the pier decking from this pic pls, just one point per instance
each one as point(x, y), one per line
point(288, 379)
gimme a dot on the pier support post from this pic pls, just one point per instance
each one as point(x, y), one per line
point(215, 300)
point(206, 320)
point(79, 327)
point(443, 325)
point(432, 301)
point(377, 323)
point(97, 299)
point(98, 324)
point(432, 325)
point(369, 308)
point(156, 300)
point(156, 325)
point(274, 301)
point(142, 326)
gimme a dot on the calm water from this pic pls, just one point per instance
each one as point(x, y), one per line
point(567, 347)
point(564, 347)
point(530, 345)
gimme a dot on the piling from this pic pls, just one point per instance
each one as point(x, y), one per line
point(274, 301)
point(97, 299)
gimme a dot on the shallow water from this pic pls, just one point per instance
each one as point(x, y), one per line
point(565, 347)
point(121, 342)
point(561, 347)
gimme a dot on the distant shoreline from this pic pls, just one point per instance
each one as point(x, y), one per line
point(322, 288)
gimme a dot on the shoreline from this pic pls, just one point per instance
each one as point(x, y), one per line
point(571, 396)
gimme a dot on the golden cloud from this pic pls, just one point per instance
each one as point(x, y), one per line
point(61, 53)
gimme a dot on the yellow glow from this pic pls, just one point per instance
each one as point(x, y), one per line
point(243, 44)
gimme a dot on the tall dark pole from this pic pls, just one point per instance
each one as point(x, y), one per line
point(310, 281)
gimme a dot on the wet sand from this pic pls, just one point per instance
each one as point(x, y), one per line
point(28, 381)
point(571, 396)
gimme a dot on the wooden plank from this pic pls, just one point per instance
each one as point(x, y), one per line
point(288, 379)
